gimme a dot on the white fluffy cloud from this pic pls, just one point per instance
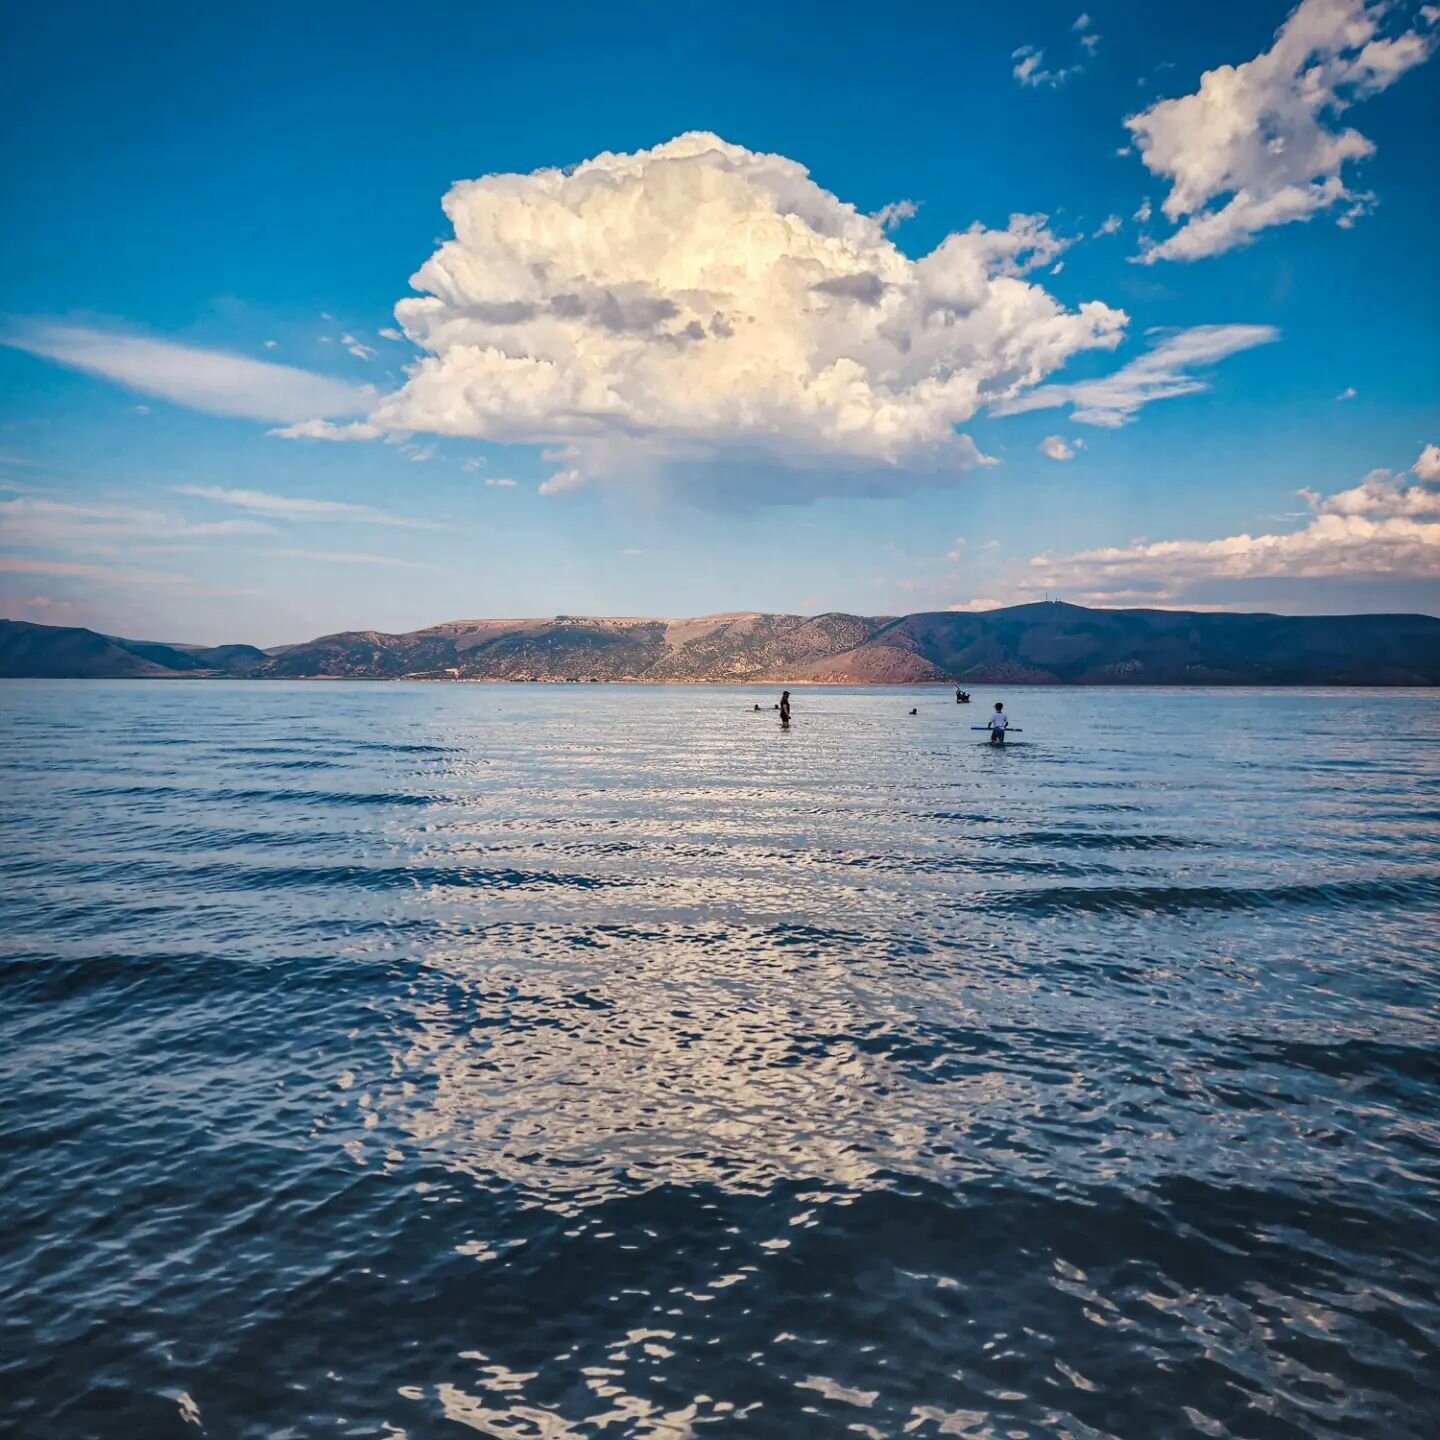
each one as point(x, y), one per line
point(699, 301)
point(1162, 373)
point(1382, 494)
point(1259, 144)
point(1056, 448)
point(1381, 529)
point(563, 482)
point(210, 380)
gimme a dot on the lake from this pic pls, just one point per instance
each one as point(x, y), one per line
point(562, 1061)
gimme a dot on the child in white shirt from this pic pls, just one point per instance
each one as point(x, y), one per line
point(999, 723)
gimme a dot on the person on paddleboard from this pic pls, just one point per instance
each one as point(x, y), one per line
point(999, 723)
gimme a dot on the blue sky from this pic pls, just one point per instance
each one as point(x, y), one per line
point(740, 388)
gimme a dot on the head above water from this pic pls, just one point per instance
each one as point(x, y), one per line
point(999, 705)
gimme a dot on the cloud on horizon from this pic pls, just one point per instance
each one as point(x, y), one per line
point(1384, 529)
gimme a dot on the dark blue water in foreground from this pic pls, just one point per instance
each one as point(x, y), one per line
point(552, 1062)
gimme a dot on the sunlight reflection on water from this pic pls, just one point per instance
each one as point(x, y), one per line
point(558, 1062)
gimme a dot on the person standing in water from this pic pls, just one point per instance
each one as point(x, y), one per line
point(998, 724)
point(785, 708)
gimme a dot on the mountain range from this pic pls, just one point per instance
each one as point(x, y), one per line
point(1043, 643)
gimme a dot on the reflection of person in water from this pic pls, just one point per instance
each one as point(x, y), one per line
point(785, 708)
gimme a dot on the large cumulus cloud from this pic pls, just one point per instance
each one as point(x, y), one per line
point(690, 305)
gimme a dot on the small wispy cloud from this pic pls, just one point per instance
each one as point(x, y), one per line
point(896, 213)
point(213, 381)
point(1348, 393)
point(1056, 448)
point(502, 482)
point(1029, 68)
point(351, 557)
point(1164, 372)
point(327, 430)
point(67, 569)
point(298, 507)
point(40, 523)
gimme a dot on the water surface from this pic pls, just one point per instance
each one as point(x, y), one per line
point(549, 1062)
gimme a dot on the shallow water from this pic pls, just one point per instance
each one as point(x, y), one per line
point(569, 1061)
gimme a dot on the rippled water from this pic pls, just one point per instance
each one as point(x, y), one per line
point(553, 1062)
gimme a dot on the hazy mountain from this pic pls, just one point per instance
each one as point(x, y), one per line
point(1026, 644)
point(68, 652)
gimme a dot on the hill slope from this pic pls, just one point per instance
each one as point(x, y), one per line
point(67, 652)
point(1046, 643)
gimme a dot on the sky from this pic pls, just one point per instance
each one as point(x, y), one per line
point(346, 317)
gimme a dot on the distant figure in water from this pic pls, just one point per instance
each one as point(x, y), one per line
point(961, 698)
point(757, 707)
point(999, 723)
point(785, 708)
point(914, 712)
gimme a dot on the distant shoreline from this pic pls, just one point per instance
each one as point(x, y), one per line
point(637, 681)
point(1049, 643)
